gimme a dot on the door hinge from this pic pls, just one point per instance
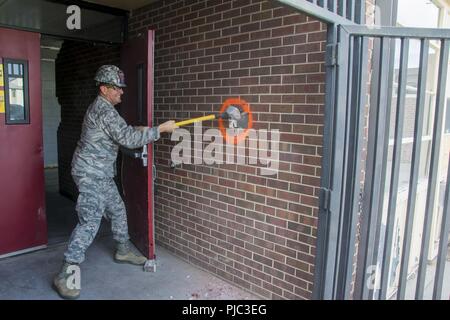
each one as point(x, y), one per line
point(325, 195)
point(332, 55)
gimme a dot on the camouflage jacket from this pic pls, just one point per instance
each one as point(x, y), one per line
point(103, 131)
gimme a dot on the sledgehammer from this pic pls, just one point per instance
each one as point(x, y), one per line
point(236, 117)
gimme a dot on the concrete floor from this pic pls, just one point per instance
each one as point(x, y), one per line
point(29, 276)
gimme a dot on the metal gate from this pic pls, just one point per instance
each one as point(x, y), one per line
point(384, 214)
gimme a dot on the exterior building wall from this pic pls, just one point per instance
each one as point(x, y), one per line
point(258, 232)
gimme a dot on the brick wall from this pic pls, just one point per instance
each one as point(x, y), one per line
point(258, 232)
point(76, 65)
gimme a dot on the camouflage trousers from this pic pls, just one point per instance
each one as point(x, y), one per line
point(97, 197)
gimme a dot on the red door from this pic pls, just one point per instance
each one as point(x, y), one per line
point(23, 224)
point(137, 173)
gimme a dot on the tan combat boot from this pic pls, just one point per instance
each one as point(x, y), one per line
point(124, 254)
point(61, 283)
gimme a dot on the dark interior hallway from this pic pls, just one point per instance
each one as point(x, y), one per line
point(61, 214)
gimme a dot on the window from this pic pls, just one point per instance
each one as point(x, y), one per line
point(16, 91)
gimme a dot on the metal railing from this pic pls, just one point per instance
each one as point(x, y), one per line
point(353, 190)
point(350, 171)
point(331, 11)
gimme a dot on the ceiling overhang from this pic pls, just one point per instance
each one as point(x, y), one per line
point(122, 4)
point(97, 22)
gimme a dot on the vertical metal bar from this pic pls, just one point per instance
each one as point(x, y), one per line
point(434, 167)
point(365, 214)
point(374, 186)
point(395, 171)
point(394, 13)
point(322, 268)
point(357, 112)
point(332, 6)
point(350, 10)
point(388, 59)
point(342, 8)
point(338, 163)
point(352, 65)
point(414, 172)
point(443, 241)
point(360, 12)
point(313, 9)
point(362, 100)
point(386, 12)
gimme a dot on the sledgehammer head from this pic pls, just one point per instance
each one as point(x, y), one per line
point(236, 117)
point(234, 113)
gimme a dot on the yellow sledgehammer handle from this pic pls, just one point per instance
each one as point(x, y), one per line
point(186, 122)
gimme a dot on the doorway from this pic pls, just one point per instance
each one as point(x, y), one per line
point(60, 207)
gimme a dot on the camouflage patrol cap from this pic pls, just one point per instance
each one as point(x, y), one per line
point(110, 74)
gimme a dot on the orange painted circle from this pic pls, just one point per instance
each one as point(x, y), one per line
point(245, 108)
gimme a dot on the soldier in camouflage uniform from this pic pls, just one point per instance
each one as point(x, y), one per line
point(93, 170)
